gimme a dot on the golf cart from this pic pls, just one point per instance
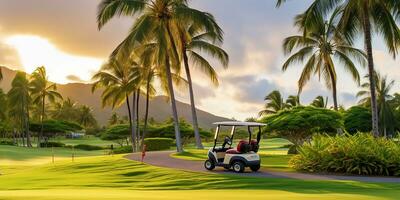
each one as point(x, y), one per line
point(245, 153)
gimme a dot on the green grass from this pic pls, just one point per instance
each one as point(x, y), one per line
point(91, 140)
point(21, 155)
point(106, 177)
point(272, 153)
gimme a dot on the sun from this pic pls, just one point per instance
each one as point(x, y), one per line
point(35, 51)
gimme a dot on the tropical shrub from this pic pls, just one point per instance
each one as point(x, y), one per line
point(299, 123)
point(360, 154)
point(88, 147)
point(157, 144)
point(52, 144)
point(357, 119)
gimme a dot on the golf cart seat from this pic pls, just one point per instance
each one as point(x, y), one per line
point(242, 147)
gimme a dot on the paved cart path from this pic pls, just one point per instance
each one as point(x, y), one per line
point(163, 159)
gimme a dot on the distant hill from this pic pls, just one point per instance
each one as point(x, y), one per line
point(159, 109)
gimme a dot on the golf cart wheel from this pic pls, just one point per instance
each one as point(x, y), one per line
point(255, 168)
point(209, 165)
point(238, 167)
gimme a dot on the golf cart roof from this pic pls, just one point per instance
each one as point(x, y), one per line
point(237, 123)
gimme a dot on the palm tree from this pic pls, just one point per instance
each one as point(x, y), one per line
point(292, 101)
point(157, 20)
point(114, 119)
point(65, 110)
point(320, 102)
point(383, 87)
point(119, 80)
point(320, 45)
point(42, 89)
point(274, 103)
point(19, 101)
point(3, 105)
point(86, 117)
point(195, 40)
point(1, 73)
point(364, 16)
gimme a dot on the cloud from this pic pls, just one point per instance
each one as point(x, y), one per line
point(74, 78)
point(9, 56)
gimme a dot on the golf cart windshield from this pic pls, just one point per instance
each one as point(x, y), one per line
point(234, 124)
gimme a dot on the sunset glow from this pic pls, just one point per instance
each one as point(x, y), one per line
point(35, 51)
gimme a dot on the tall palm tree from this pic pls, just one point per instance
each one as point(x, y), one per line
point(119, 81)
point(19, 101)
point(159, 20)
point(364, 16)
point(320, 102)
point(86, 118)
point(195, 40)
point(42, 89)
point(274, 103)
point(321, 45)
point(383, 87)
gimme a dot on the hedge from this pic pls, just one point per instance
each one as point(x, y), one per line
point(7, 142)
point(157, 144)
point(52, 144)
point(88, 147)
point(122, 150)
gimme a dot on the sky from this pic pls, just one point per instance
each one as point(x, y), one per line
point(63, 36)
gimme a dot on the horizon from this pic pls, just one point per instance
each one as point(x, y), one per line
point(253, 39)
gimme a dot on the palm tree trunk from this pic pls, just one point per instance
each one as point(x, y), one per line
point(134, 118)
point(146, 114)
point(334, 90)
point(41, 122)
point(28, 137)
point(133, 136)
point(195, 123)
point(172, 95)
point(371, 70)
point(138, 119)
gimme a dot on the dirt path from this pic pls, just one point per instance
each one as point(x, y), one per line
point(163, 159)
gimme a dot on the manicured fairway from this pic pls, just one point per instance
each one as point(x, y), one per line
point(107, 177)
point(100, 194)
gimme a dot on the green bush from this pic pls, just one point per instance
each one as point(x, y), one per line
point(122, 150)
point(357, 119)
point(157, 144)
point(7, 142)
point(360, 154)
point(299, 123)
point(88, 147)
point(52, 144)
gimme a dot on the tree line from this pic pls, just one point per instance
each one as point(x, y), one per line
point(32, 101)
point(328, 30)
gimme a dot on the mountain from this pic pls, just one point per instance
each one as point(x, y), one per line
point(159, 108)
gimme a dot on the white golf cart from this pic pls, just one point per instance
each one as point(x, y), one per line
point(244, 155)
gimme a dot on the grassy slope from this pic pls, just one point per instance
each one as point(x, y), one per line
point(271, 152)
point(115, 177)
